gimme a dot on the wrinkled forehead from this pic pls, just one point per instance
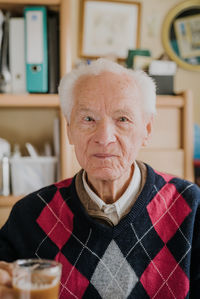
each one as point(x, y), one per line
point(107, 82)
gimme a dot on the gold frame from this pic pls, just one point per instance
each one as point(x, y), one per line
point(189, 4)
point(82, 18)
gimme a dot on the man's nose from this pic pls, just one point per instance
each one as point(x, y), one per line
point(105, 133)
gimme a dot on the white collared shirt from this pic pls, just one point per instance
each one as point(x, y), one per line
point(117, 210)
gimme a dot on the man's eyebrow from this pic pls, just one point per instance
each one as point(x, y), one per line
point(124, 111)
point(84, 109)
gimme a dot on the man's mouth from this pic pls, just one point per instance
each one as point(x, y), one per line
point(104, 156)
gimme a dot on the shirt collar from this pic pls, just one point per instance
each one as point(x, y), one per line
point(124, 201)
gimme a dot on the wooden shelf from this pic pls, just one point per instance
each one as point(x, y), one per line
point(52, 100)
point(170, 101)
point(31, 2)
point(8, 201)
point(29, 100)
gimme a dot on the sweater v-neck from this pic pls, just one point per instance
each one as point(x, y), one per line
point(113, 231)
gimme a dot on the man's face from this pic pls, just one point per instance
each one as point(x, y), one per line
point(108, 125)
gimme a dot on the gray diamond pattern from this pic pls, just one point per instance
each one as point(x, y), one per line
point(111, 281)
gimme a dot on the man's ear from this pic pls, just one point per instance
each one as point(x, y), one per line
point(69, 134)
point(148, 128)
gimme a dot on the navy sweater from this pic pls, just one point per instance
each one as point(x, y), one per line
point(154, 251)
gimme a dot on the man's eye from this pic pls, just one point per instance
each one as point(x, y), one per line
point(123, 119)
point(88, 118)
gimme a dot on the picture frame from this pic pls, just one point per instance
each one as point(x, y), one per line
point(169, 39)
point(109, 28)
point(187, 31)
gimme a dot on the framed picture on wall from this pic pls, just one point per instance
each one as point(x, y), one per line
point(109, 28)
point(187, 31)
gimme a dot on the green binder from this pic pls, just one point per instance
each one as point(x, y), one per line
point(36, 49)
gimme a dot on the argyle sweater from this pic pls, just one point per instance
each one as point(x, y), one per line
point(154, 251)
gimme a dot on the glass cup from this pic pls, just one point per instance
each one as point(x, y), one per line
point(36, 279)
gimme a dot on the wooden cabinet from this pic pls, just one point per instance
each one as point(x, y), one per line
point(32, 115)
point(171, 146)
point(6, 204)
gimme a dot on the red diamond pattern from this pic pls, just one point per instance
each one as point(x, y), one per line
point(164, 278)
point(167, 211)
point(73, 282)
point(64, 183)
point(166, 177)
point(55, 218)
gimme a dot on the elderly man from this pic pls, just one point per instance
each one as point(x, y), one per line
point(119, 228)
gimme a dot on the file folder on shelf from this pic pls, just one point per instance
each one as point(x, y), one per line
point(5, 77)
point(53, 52)
point(36, 49)
point(17, 55)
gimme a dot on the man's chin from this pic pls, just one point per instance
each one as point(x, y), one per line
point(104, 174)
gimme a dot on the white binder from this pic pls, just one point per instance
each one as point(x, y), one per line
point(17, 55)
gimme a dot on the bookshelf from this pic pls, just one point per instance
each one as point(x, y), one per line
point(176, 113)
point(19, 104)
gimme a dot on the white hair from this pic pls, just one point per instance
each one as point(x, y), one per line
point(144, 83)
